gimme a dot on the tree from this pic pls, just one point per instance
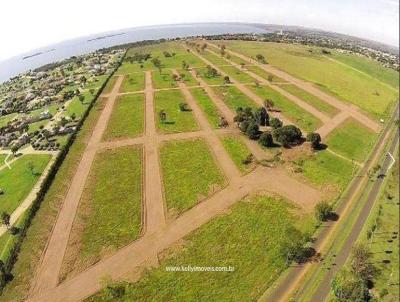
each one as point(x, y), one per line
point(261, 116)
point(315, 140)
point(157, 63)
point(269, 104)
point(3, 274)
point(211, 72)
point(31, 167)
point(91, 90)
point(270, 78)
point(252, 130)
point(293, 245)
point(260, 58)
point(14, 149)
point(275, 123)
point(183, 107)
point(163, 116)
point(349, 287)
point(287, 135)
point(244, 125)
point(5, 218)
point(266, 139)
point(323, 211)
point(185, 66)
point(227, 80)
point(361, 262)
point(81, 98)
point(242, 65)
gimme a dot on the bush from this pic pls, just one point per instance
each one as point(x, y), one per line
point(287, 135)
point(244, 125)
point(275, 123)
point(266, 139)
point(323, 211)
point(252, 130)
point(348, 287)
point(315, 140)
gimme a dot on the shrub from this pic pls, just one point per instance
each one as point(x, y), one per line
point(252, 130)
point(315, 140)
point(323, 211)
point(266, 139)
point(275, 123)
point(287, 135)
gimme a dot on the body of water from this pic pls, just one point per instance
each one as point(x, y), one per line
point(56, 52)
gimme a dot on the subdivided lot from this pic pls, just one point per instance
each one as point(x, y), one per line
point(311, 99)
point(237, 74)
point(234, 98)
point(306, 62)
point(187, 78)
point(352, 140)
point(213, 58)
point(189, 173)
point(207, 106)
point(238, 151)
point(326, 170)
point(109, 213)
point(381, 234)
point(177, 121)
point(110, 84)
point(17, 182)
point(202, 72)
point(163, 79)
point(258, 227)
point(127, 118)
point(293, 112)
point(41, 226)
point(266, 75)
point(133, 82)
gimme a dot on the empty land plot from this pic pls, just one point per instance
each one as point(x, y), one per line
point(238, 151)
point(351, 139)
point(189, 173)
point(308, 63)
point(18, 181)
point(163, 79)
point(234, 98)
point(177, 121)
point(258, 227)
point(213, 58)
point(296, 114)
point(133, 82)
point(202, 72)
point(326, 169)
point(110, 84)
point(77, 107)
point(109, 214)
point(207, 106)
point(237, 74)
point(311, 99)
point(127, 68)
point(187, 77)
point(127, 118)
point(266, 75)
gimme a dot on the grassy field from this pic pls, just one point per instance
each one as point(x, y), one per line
point(187, 77)
point(163, 79)
point(326, 169)
point(39, 232)
point(18, 181)
point(234, 98)
point(109, 213)
point(310, 64)
point(7, 118)
point(256, 228)
point(351, 139)
point(127, 118)
point(110, 85)
point(293, 112)
point(266, 75)
point(213, 58)
point(188, 179)
point(207, 105)
point(384, 218)
point(218, 80)
point(237, 74)
point(238, 151)
point(77, 107)
point(133, 82)
point(177, 121)
point(311, 99)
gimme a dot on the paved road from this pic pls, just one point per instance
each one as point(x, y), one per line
point(285, 288)
point(324, 287)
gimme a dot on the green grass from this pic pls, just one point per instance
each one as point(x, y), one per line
point(110, 85)
point(177, 121)
point(311, 99)
point(41, 227)
point(238, 151)
point(127, 68)
point(18, 181)
point(127, 118)
point(293, 112)
point(133, 82)
point(7, 118)
point(207, 106)
point(237, 74)
point(188, 78)
point(77, 107)
point(351, 85)
point(385, 219)
point(215, 59)
point(325, 169)
point(189, 173)
point(351, 139)
point(202, 72)
point(249, 238)
point(163, 79)
point(262, 73)
point(234, 98)
point(109, 214)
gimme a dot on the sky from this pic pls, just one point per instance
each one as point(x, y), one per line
point(26, 24)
